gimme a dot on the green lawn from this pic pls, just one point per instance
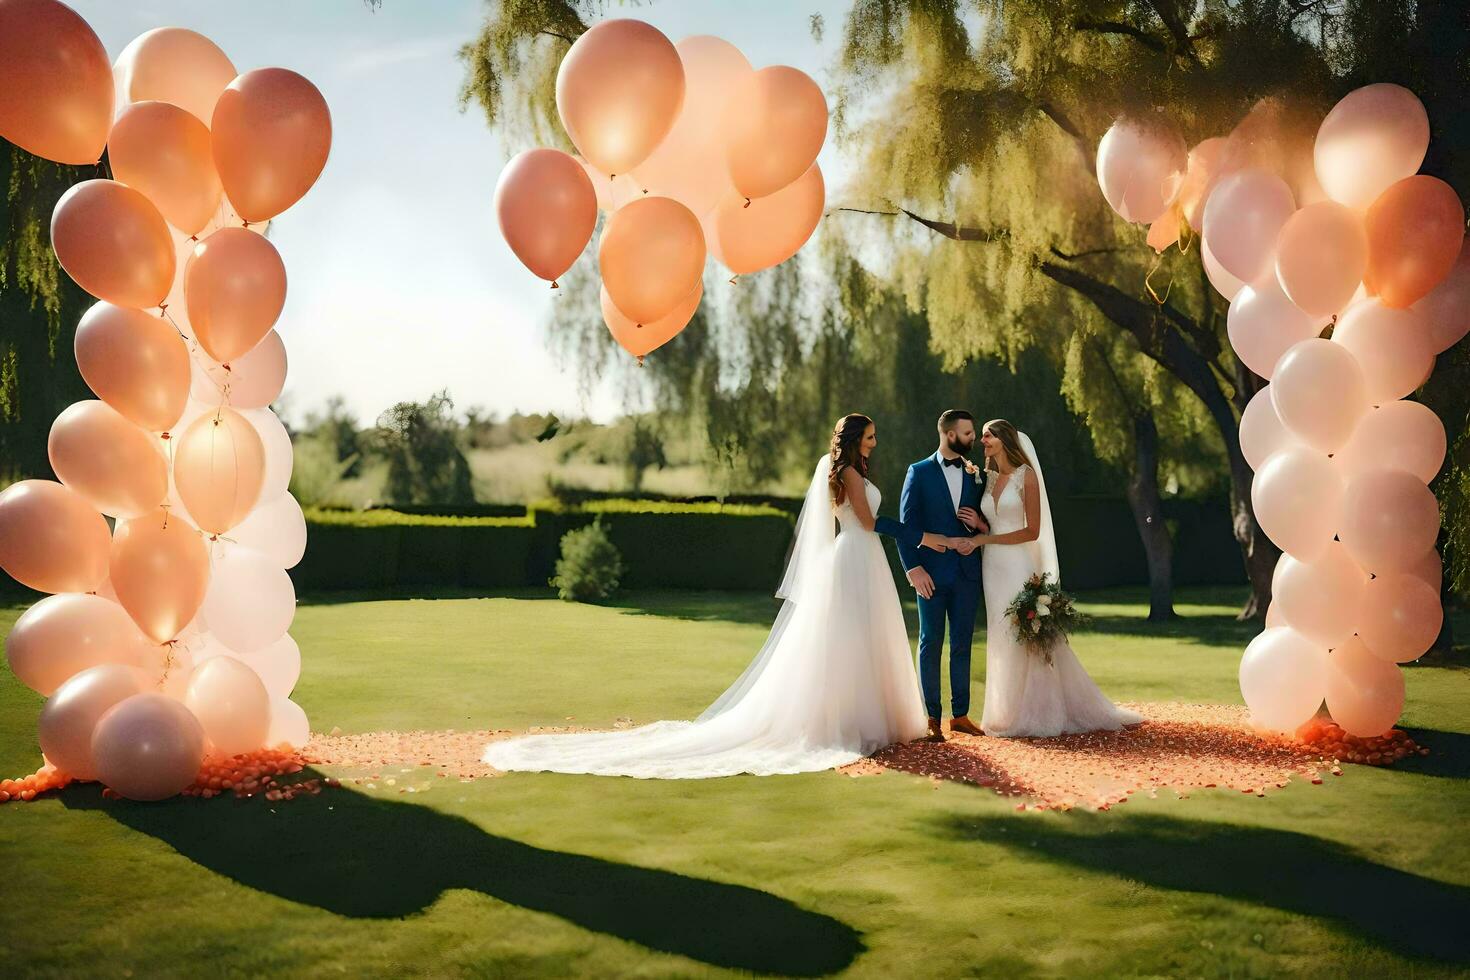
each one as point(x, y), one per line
point(1366, 875)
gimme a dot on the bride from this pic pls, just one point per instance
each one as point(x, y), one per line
point(1024, 695)
point(834, 681)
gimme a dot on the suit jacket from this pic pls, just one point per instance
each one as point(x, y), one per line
point(926, 505)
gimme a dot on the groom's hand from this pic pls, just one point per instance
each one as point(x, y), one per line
point(922, 583)
point(970, 518)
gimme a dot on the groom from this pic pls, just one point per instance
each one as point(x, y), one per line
point(941, 495)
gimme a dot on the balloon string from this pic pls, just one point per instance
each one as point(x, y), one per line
point(1148, 283)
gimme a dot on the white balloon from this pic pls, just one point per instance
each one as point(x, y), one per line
point(278, 453)
point(253, 380)
point(1374, 137)
point(288, 724)
point(1140, 168)
point(1261, 431)
point(251, 600)
point(1446, 310)
point(1243, 216)
point(1297, 498)
point(1225, 284)
point(278, 665)
point(1283, 678)
point(1320, 599)
point(1264, 324)
point(277, 529)
point(1392, 345)
point(1320, 393)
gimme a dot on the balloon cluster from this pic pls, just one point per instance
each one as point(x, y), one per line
point(164, 640)
point(689, 151)
point(1346, 276)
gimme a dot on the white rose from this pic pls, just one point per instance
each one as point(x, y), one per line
point(1043, 600)
point(1042, 611)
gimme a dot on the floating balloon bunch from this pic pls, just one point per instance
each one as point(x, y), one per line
point(1346, 275)
point(689, 151)
point(164, 641)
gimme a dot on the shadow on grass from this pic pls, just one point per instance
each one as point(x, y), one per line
point(381, 859)
point(745, 608)
point(343, 596)
point(1280, 869)
point(1449, 754)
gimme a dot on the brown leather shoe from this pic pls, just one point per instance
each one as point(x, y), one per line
point(936, 731)
point(965, 725)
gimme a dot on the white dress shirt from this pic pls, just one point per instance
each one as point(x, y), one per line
point(953, 475)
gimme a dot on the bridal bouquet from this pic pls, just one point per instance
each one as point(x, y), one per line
point(1041, 614)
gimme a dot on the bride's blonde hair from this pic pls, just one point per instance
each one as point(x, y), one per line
point(1010, 441)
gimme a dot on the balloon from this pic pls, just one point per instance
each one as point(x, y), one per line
point(166, 153)
point(1263, 324)
point(1140, 168)
point(640, 341)
point(1283, 678)
point(171, 663)
point(1320, 599)
point(1225, 284)
point(278, 666)
point(160, 571)
point(619, 90)
point(65, 725)
point(114, 243)
point(51, 539)
point(136, 363)
point(288, 724)
point(251, 600)
point(1415, 231)
point(1274, 617)
point(55, 83)
point(1320, 393)
point(1391, 345)
point(65, 634)
point(1375, 136)
point(612, 192)
point(768, 231)
point(1400, 618)
point(651, 256)
point(254, 379)
point(272, 134)
point(1321, 256)
point(275, 528)
point(231, 703)
point(149, 747)
point(177, 66)
point(219, 466)
point(1445, 312)
point(279, 457)
point(1261, 431)
point(775, 123)
point(547, 208)
point(1389, 520)
point(1203, 169)
point(1243, 218)
point(1364, 695)
point(689, 165)
point(117, 466)
point(235, 289)
point(1164, 231)
point(1397, 436)
point(1297, 498)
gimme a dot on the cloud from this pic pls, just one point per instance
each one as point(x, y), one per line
point(372, 58)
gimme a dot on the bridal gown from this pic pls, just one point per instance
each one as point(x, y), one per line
point(1024, 695)
point(834, 682)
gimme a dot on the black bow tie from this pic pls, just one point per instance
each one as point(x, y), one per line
point(957, 461)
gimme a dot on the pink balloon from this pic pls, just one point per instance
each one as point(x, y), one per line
point(1225, 284)
point(1297, 498)
point(68, 719)
point(1400, 618)
point(116, 466)
point(775, 123)
point(1204, 168)
point(612, 192)
point(1140, 168)
point(1445, 312)
point(547, 208)
point(1429, 569)
point(1320, 599)
point(651, 257)
point(1283, 678)
point(1320, 393)
point(1263, 324)
point(254, 380)
point(640, 340)
point(1261, 431)
point(769, 230)
point(177, 66)
point(1375, 136)
point(235, 289)
point(1391, 345)
point(1321, 256)
point(1243, 218)
point(231, 703)
point(148, 747)
point(1365, 695)
point(1397, 436)
point(136, 363)
point(251, 600)
point(1389, 520)
point(1416, 229)
point(51, 538)
point(63, 635)
point(1274, 618)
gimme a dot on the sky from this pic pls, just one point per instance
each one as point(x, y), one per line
point(400, 283)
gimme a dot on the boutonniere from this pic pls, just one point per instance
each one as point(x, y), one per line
point(974, 471)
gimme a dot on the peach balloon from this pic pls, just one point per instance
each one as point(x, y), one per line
point(1283, 678)
point(651, 257)
point(278, 665)
point(65, 725)
point(119, 468)
point(1445, 312)
point(55, 83)
point(135, 362)
point(113, 242)
point(1400, 618)
point(619, 90)
point(1415, 231)
point(277, 529)
point(177, 66)
point(279, 455)
point(1320, 393)
point(288, 724)
point(1202, 170)
point(166, 153)
point(235, 289)
point(253, 380)
point(1320, 257)
point(1297, 498)
point(640, 341)
point(160, 571)
point(1225, 284)
point(1375, 136)
point(219, 466)
point(612, 192)
point(1261, 431)
point(231, 703)
point(1429, 569)
point(51, 539)
point(1389, 520)
point(147, 748)
point(63, 635)
point(1243, 218)
point(251, 600)
point(1263, 324)
point(1322, 598)
point(1391, 345)
point(547, 208)
point(1274, 617)
point(1140, 168)
point(272, 133)
point(769, 230)
point(689, 165)
point(1365, 695)
point(775, 123)
point(1397, 436)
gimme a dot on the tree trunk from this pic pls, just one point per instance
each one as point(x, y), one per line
point(1148, 515)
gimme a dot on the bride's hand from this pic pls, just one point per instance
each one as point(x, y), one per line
point(938, 542)
point(964, 546)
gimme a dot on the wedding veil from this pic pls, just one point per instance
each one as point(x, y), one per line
point(1046, 544)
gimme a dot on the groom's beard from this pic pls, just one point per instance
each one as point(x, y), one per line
point(958, 447)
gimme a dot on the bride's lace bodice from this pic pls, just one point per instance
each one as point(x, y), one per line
point(847, 517)
point(1009, 512)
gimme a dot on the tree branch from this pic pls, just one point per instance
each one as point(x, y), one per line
point(1127, 30)
point(1183, 45)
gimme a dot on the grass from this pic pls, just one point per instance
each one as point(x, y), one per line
point(1367, 875)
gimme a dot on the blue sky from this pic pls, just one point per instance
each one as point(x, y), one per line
point(399, 281)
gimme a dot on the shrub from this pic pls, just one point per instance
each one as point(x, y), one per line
point(590, 566)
